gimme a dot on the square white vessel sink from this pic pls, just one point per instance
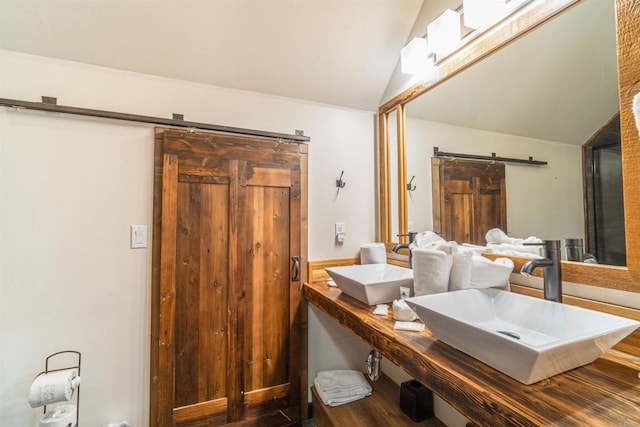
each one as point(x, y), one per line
point(527, 338)
point(372, 283)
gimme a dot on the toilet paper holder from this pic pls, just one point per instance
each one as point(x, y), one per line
point(76, 366)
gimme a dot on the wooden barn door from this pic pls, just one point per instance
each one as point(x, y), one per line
point(226, 344)
point(469, 198)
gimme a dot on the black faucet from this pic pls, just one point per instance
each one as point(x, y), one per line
point(412, 237)
point(552, 269)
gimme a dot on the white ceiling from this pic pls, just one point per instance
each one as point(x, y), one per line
point(340, 52)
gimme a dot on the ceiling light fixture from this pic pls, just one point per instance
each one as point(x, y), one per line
point(415, 57)
point(481, 13)
point(444, 32)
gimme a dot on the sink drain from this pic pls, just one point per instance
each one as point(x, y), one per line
point(509, 334)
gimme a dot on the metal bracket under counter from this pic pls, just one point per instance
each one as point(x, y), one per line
point(605, 392)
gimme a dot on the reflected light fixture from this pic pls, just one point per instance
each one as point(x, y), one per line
point(444, 32)
point(481, 13)
point(415, 56)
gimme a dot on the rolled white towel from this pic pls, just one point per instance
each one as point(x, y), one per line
point(431, 269)
point(508, 249)
point(490, 274)
point(53, 387)
point(460, 277)
point(373, 253)
point(496, 235)
point(426, 239)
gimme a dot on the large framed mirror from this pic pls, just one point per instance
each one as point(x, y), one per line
point(497, 98)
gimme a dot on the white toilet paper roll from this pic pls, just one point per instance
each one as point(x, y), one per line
point(373, 253)
point(60, 416)
point(53, 387)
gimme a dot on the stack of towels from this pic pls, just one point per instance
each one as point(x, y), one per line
point(441, 266)
point(341, 386)
point(498, 242)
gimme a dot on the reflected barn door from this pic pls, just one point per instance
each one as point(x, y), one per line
point(469, 198)
point(226, 323)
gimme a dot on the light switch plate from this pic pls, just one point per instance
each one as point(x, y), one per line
point(138, 236)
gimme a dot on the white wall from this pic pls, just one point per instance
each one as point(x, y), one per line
point(543, 201)
point(72, 186)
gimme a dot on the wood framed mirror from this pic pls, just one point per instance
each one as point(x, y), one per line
point(393, 217)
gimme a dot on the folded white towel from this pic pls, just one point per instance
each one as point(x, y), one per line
point(521, 251)
point(53, 387)
point(431, 269)
point(373, 253)
point(335, 400)
point(402, 311)
point(342, 381)
point(490, 274)
point(460, 277)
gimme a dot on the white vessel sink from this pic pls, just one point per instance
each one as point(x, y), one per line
point(372, 283)
point(527, 338)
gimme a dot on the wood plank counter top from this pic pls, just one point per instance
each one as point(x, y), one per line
point(603, 393)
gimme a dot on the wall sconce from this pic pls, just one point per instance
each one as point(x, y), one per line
point(415, 57)
point(481, 13)
point(444, 33)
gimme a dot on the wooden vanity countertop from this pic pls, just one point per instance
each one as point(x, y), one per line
point(603, 393)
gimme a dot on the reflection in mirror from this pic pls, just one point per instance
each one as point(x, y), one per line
point(543, 96)
point(392, 137)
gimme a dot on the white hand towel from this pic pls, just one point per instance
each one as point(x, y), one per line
point(53, 387)
point(431, 269)
point(490, 274)
point(460, 277)
point(343, 381)
point(335, 400)
point(373, 253)
point(402, 311)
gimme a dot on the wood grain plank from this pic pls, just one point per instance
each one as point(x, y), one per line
point(212, 300)
point(208, 409)
point(269, 177)
point(317, 272)
point(165, 394)
point(237, 291)
point(259, 396)
point(628, 32)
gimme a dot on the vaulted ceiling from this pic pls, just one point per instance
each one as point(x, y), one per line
point(339, 52)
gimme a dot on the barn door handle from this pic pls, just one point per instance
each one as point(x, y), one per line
point(296, 268)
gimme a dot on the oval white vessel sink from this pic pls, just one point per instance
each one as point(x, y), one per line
point(527, 338)
point(372, 283)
